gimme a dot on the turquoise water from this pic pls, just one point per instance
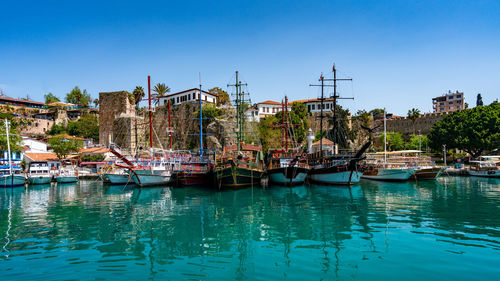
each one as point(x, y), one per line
point(443, 230)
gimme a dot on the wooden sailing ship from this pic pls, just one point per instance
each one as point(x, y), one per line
point(240, 165)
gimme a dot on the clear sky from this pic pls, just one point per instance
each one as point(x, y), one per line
point(400, 54)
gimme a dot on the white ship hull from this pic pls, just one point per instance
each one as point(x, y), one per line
point(390, 174)
point(485, 174)
point(12, 180)
point(40, 179)
point(336, 178)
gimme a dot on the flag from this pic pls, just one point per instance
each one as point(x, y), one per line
point(333, 68)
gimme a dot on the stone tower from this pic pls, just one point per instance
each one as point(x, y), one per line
point(114, 105)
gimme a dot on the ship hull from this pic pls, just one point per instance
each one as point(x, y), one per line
point(332, 176)
point(39, 180)
point(66, 179)
point(12, 180)
point(427, 173)
point(118, 179)
point(389, 174)
point(192, 178)
point(235, 177)
point(485, 174)
point(144, 178)
point(290, 176)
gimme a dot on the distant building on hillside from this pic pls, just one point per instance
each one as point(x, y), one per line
point(314, 105)
point(188, 96)
point(269, 107)
point(449, 102)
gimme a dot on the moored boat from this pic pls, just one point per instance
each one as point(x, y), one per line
point(11, 176)
point(387, 172)
point(486, 166)
point(240, 168)
point(67, 176)
point(39, 173)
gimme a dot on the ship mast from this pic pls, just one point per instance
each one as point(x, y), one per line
point(240, 118)
point(336, 137)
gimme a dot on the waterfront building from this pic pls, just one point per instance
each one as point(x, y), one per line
point(21, 103)
point(188, 96)
point(449, 102)
point(42, 157)
point(252, 115)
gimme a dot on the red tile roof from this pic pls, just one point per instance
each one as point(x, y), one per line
point(310, 100)
point(325, 142)
point(270, 102)
point(41, 157)
point(19, 100)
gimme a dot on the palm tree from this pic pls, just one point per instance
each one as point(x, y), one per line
point(160, 89)
point(413, 115)
point(96, 102)
point(138, 95)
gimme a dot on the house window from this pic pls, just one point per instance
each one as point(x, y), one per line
point(205, 98)
point(313, 107)
point(177, 99)
point(309, 107)
point(327, 106)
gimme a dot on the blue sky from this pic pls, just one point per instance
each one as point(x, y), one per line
point(400, 54)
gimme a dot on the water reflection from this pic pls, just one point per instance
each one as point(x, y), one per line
point(292, 233)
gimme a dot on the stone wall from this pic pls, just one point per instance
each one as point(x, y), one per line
point(405, 125)
point(113, 105)
point(33, 126)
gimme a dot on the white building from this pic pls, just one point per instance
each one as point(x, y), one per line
point(314, 105)
point(252, 115)
point(188, 96)
point(33, 145)
point(269, 107)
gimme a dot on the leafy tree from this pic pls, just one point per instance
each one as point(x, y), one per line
point(14, 139)
point(92, 158)
point(63, 146)
point(473, 130)
point(298, 120)
point(76, 96)
point(413, 115)
point(479, 100)
point(56, 130)
point(222, 96)
point(138, 95)
point(269, 135)
point(85, 127)
point(377, 113)
point(394, 141)
point(160, 89)
point(209, 111)
point(50, 98)
point(413, 142)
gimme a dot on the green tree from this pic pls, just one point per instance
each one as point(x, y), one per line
point(394, 141)
point(473, 130)
point(377, 113)
point(413, 142)
point(297, 117)
point(56, 130)
point(413, 115)
point(63, 146)
point(342, 133)
point(85, 127)
point(268, 134)
point(96, 102)
point(160, 89)
point(138, 95)
point(50, 98)
point(14, 139)
point(222, 96)
point(76, 96)
point(479, 100)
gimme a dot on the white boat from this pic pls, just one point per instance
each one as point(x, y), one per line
point(10, 175)
point(39, 173)
point(388, 172)
point(66, 176)
point(486, 166)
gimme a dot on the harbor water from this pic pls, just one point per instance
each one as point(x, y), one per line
point(447, 229)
